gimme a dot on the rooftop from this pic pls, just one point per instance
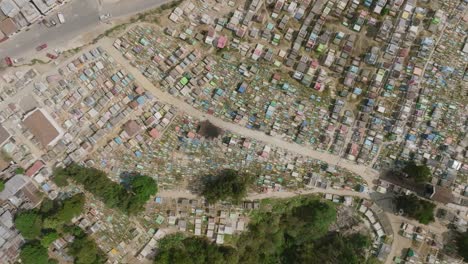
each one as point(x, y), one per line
point(43, 127)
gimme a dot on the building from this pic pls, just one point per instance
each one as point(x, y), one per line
point(9, 8)
point(43, 127)
point(20, 192)
point(35, 168)
point(4, 135)
point(132, 128)
point(8, 27)
point(10, 239)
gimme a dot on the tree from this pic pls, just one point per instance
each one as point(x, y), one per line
point(416, 208)
point(86, 251)
point(29, 223)
point(227, 185)
point(2, 185)
point(194, 250)
point(290, 231)
point(419, 173)
point(462, 245)
point(48, 238)
point(142, 188)
point(113, 194)
point(60, 213)
point(33, 253)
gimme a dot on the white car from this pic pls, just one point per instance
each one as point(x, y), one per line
point(61, 18)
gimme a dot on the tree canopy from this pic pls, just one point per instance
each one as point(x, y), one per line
point(2, 185)
point(416, 208)
point(292, 231)
point(462, 245)
point(48, 238)
point(34, 253)
point(29, 223)
point(63, 212)
point(228, 185)
point(85, 250)
point(129, 200)
point(419, 173)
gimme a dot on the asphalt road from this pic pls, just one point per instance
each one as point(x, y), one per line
point(81, 16)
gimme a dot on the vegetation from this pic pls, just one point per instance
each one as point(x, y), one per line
point(462, 245)
point(48, 238)
point(129, 199)
point(2, 185)
point(228, 185)
point(419, 173)
point(416, 208)
point(85, 250)
point(34, 253)
point(19, 170)
point(29, 224)
point(70, 208)
point(287, 231)
point(43, 226)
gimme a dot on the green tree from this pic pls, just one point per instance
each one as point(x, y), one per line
point(86, 251)
point(228, 185)
point(29, 223)
point(419, 173)
point(2, 185)
point(288, 231)
point(61, 213)
point(48, 238)
point(33, 253)
point(462, 245)
point(141, 188)
point(113, 194)
point(416, 208)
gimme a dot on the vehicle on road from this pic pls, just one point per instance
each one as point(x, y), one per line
point(9, 61)
point(61, 18)
point(41, 47)
point(52, 21)
point(51, 56)
point(46, 23)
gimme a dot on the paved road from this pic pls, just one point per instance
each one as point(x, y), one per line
point(367, 173)
point(82, 16)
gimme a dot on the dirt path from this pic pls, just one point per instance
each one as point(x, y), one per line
point(367, 173)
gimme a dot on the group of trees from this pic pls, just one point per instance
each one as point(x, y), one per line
point(130, 198)
point(84, 249)
point(419, 173)
point(416, 208)
point(41, 227)
point(293, 231)
point(462, 245)
point(227, 185)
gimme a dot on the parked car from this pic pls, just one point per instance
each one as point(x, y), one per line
point(52, 21)
point(61, 18)
point(9, 61)
point(41, 47)
point(46, 23)
point(52, 56)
